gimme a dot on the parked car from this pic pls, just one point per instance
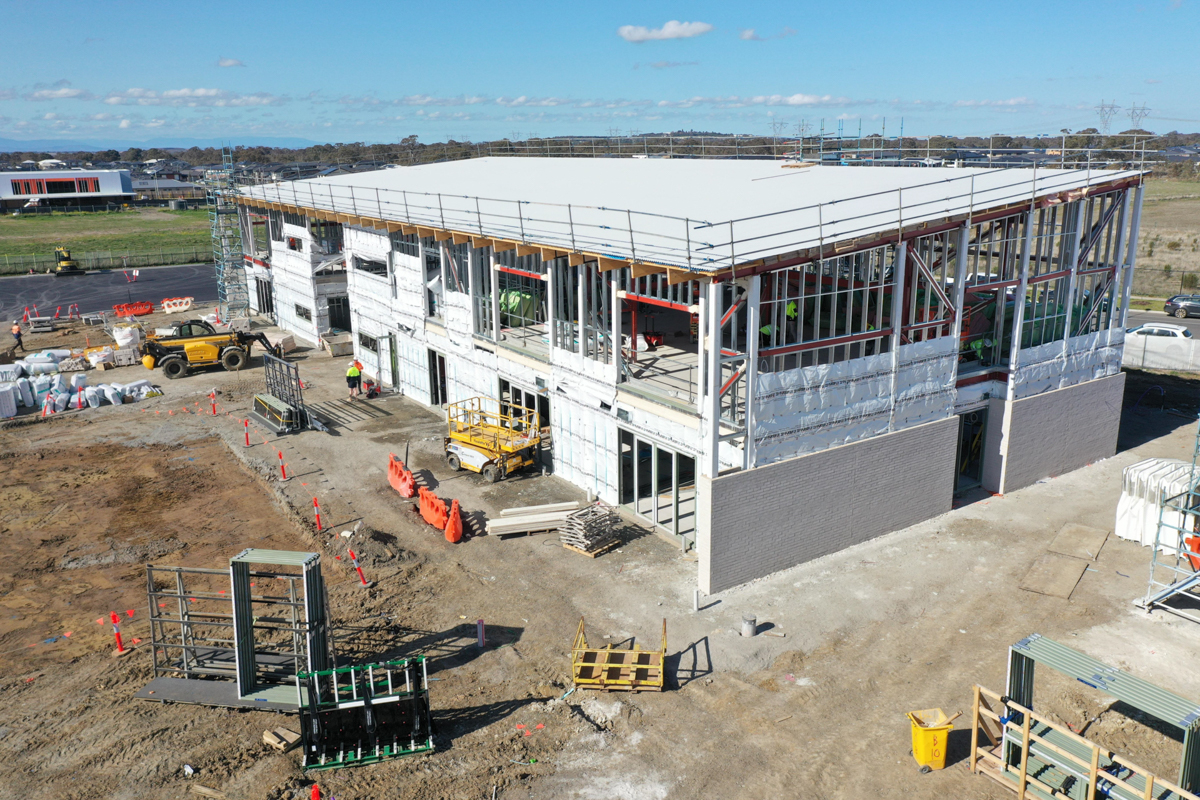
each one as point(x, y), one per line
point(1160, 329)
point(1183, 306)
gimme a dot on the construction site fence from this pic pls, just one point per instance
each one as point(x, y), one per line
point(159, 202)
point(16, 265)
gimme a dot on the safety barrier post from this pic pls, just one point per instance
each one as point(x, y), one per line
point(317, 512)
point(354, 559)
point(116, 623)
point(282, 467)
point(57, 311)
point(246, 423)
point(79, 399)
point(213, 397)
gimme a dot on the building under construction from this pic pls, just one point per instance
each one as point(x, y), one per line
point(768, 360)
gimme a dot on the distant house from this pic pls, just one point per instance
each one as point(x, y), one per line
point(164, 188)
point(52, 163)
point(1187, 152)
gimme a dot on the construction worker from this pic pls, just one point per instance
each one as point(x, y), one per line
point(978, 347)
point(354, 379)
point(16, 332)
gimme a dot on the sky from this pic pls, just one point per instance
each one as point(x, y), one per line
point(350, 71)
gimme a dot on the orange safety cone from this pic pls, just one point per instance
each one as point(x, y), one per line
point(454, 525)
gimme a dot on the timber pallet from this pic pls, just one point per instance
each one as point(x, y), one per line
point(601, 550)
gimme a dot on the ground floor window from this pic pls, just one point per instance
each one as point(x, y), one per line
point(658, 484)
point(437, 379)
point(368, 343)
point(304, 312)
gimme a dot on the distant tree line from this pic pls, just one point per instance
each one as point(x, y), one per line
point(409, 151)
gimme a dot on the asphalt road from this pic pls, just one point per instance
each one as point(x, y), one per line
point(1135, 318)
point(100, 291)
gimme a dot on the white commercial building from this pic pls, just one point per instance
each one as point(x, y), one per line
point(769, 360)
point(73, 187)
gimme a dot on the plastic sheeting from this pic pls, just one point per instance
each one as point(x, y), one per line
point(10, 372)
point(1162, 352)
point(810, 409)
point(585, 447)
point(1054, 365)
point(25, 392)
point(1142, 485)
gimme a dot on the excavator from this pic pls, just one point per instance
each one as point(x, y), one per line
point(179, 355)
point(64, 264)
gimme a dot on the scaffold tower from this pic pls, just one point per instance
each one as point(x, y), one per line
point(232, 295)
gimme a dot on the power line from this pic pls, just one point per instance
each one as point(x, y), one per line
point(1106, 111)
point(1137, 114)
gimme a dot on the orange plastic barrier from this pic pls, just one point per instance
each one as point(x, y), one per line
point(139, 309)
point(433, 510)
point(1193, 543)
point(400, 477)
point(454, 525)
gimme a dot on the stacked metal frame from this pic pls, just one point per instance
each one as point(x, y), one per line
point(1172, 709)
point(365, 714)
point(314, 629)
point(1175, 559)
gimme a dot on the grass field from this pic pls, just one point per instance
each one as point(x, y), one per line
point(1169, 240)
point(141, 231)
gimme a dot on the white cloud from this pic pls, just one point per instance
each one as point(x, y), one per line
point(60, 93)
point(51, 115)
point(749, 35)
point(125, 124)
point(218, 98)
point(229, 62)
point(672, 30)
point(1012, 102)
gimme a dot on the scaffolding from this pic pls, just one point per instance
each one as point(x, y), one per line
point(233, 296)
point(260, 628)
point(1175, 561)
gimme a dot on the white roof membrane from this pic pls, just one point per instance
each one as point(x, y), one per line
point(691, 213)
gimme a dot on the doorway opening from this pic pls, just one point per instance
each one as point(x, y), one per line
point(266, 301)
point(658, 484)
point(339, 313)
point(438, 396)
point(513, 395)
point(972, 428)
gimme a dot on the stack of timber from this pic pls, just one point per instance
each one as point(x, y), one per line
point(531, 519)
point(589, 530)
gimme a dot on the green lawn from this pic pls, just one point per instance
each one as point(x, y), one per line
point(1171, 187)
point(141, 231)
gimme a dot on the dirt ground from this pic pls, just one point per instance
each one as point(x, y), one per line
point(908, 621)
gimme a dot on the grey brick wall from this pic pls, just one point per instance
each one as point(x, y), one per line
point(1063, 430)
point(774, 517)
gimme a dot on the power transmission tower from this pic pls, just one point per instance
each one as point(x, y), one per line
point(232, 295)
point(778, 126)
point(1106, 111)
point(1137, 114)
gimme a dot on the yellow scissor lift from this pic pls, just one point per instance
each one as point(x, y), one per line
point(490, 440)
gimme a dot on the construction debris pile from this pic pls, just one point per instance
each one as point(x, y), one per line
point(589, 530)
